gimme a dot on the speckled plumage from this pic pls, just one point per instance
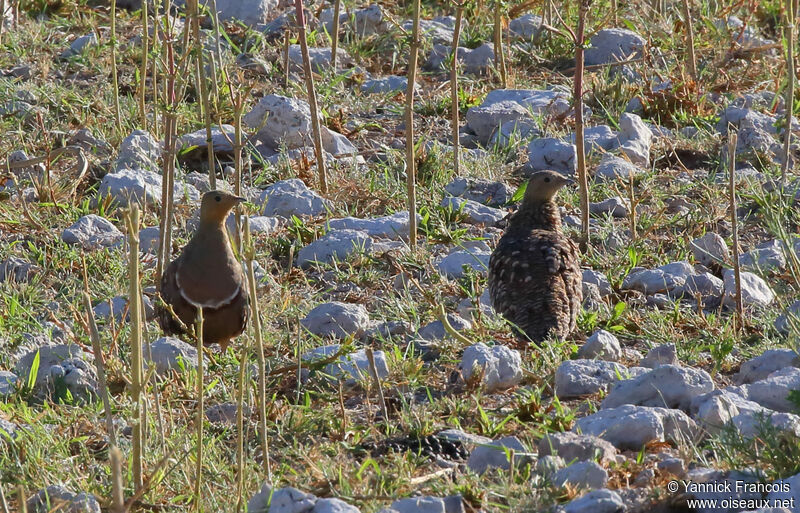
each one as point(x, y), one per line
point(208, 275)
point(535, 279)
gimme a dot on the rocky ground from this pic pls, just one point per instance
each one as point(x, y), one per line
point(659, 382)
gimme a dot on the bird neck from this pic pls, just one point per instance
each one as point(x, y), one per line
point(212, 232)
point(541, 215)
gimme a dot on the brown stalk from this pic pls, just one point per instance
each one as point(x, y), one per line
point(132, 222)
point(690, 56)
point(312, 96)
point(732, 141)
point(337, 7)
point(97, 349)
point(411, 165)
point(194, 17)
point(583, 180)
point(114, 79)
point(791, 71)
point(376, 378)
point(454, 91)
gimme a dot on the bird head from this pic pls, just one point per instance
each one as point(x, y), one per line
point(216, 204)
point(543, 186)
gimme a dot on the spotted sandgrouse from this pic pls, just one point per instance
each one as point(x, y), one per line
point(535, 278)
point(207, 275)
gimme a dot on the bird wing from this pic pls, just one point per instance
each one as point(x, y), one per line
point(208, 277)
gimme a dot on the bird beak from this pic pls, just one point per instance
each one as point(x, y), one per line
point(570, 181)
point(240, 199)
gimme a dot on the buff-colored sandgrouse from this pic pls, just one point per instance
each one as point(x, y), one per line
point(207, 275)
point(535, 279)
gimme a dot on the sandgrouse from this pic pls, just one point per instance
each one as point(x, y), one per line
point(535, 279)
point(207, 275)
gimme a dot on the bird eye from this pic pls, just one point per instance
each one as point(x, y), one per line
point(218, 198)
point(547, 179)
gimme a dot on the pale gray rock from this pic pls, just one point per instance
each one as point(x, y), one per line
point(601, 345)
point(281, 120)
point(258, 224)
point(510, 116)
point(710, 249)
point(718, 408)
point(391, 84)
point(650, 281)
point(148, 239)
point(249, 12)
point(84, 138)
point(367, 21)
point(282, 500)
point(599, 279)
point(493, 194)
point(725, 486)
point(553, 154)
point(393, 226)
point(292, 197)
point(599, 138)
point(477, 62)
point(584, 475)
point(596, 501)
point(452, 265)
point(142, 187)
point(766, 257)
point(72, 379)
point(61, 499)
point(336, 320)
point(762, 366)
point(8, 383)
point(707, 286)
point(334, 246)
point(418, 505)
point(745, 35)
point(614, 45)
point(476, 213)
point(615, 207)
point(576, 378)
point(320, 58)
point(196, 143)
point(17, 270)
point(635, 139)
point(615, 168)
point(49, 356)
point(92, 232)
point(352, 367)
point(79, 45)
point(139, 150)
point(575, 447)
point(631, 427)
point(667, 386)
point(663, 354)
point(773, 391)
point(783, 324)
point(468, 308)
point(527, 27)
point(786, 490)
point(500, 366)
point(168, 353)
point(333, 506)
point(118, 308)
point(493, 455)
point(438, 30)
point(435, 330)
point(754, 424)
point(755, 291)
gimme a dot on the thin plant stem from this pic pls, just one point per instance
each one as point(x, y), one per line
point(249, 253)
point(732, 143)
point(99, 363)
point(143, 67)
point(286, 39)
point(117, 480)
point(132, 221)
point(691, 60)
point(194, 17)
point(312, 97)
point(454, 91)
point(583, 181)
point(337, 7)
point(374, 371)
point(198, 476)
point(114, 79)
point(411, 165)
point(790, 86)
